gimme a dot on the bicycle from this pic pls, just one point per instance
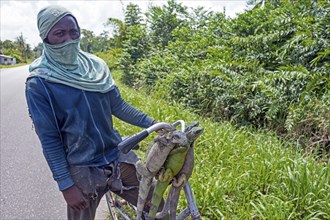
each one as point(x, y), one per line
point(120, 209)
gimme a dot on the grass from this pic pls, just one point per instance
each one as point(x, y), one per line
point(242, 173)
point(12, 66)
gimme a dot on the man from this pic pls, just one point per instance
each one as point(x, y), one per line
point(71, 99)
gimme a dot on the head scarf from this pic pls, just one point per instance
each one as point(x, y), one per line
point(66, 63)
point(48, 17)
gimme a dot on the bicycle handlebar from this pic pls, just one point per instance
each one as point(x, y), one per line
point(126, 145)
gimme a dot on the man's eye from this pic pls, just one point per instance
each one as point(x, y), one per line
point(59, 34)
point(75, 32)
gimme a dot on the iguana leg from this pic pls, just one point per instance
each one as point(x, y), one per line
point(177, 182)
point(142, 169)
point(165, 176)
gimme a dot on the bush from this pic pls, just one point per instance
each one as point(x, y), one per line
point(111, 57)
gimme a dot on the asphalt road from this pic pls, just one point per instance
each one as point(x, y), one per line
point(28, 190)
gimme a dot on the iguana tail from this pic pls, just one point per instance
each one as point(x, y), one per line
point(143, 193)
point(170, 204)
point(166, 208)
point(157, 197)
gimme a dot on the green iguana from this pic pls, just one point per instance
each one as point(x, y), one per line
point(172, 167)
point(158, 151)
point(178, 183)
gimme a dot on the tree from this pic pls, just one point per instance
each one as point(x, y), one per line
point(38, 50)
point(21, 46)
point(136, 42)
point(7, 44)
point(28, 51)
point(86, 40)
point(163, 20)
point(102, 42)
point(133, 15)
point(119, 31)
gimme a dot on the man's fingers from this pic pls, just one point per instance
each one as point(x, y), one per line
point(75, 208)
point(83, 205)
point(80, 206)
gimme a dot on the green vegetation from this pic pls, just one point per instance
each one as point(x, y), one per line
point(12, 66)
point(242, 173)
point(258, 83)
point(266, 68)
point(19, 49)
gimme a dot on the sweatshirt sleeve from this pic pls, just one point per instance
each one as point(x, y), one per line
point(126, 112)
point(43, 118)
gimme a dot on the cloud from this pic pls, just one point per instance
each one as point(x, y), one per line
point(20, 16)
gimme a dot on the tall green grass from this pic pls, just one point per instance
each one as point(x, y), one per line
point(242, 173)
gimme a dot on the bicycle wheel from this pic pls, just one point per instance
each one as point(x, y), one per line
point(119, 209)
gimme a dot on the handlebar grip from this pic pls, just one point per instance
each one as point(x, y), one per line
point(126, 145)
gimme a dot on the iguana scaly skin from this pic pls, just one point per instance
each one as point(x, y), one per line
point(179, 181)
point(156, 156)
point(177, 184)
point(172, 167)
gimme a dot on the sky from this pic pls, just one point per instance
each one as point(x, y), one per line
point(20, 16)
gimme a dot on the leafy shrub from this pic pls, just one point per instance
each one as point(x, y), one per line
point(267, 67)
point(313, 118)
point(111, 57)
point(241, 173)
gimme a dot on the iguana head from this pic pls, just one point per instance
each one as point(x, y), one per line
point(194, 133)
point(174, 137)
point(178, 137)
point(192, 125)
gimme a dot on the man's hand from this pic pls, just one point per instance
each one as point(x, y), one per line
point(74, 198)
point(159, 131)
